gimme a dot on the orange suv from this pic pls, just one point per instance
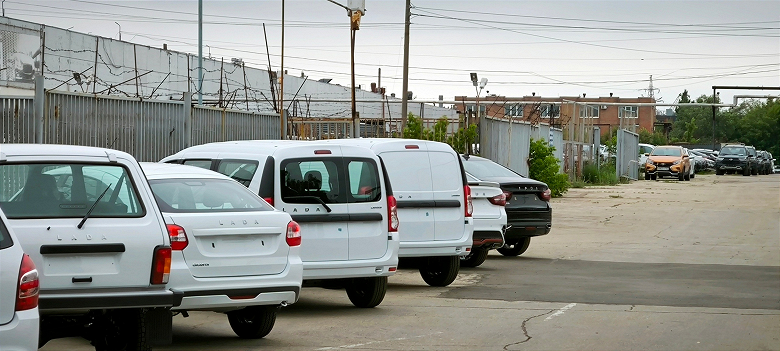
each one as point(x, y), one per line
point(668, 161)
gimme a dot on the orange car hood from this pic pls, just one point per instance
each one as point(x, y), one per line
point(664, 158)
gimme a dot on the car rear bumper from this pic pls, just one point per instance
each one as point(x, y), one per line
point(70, 301)
point(430, 248)
point(225, 293)
point(21, 333)
point(381, 267)
point(488, 239)
point(523, 224)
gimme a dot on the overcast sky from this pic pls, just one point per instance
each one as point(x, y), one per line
point(552, 48)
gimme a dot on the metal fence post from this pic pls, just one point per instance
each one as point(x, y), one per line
point(187, 110)
point(38, 107)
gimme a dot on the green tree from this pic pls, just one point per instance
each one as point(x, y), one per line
point(543, 166)
point(459, 140)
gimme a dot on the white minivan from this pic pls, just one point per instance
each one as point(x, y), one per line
point(340, 195)
point(434, 203)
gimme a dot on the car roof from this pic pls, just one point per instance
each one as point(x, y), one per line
point(177, 171)
point(267, 147)
point(475, 158)
point(20, 150)
point(372, 142)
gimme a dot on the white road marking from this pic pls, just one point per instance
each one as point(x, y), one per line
point(374, 342)
point(561, 311)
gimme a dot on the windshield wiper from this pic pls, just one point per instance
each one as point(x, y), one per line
point(315, 198)
point(86, 216)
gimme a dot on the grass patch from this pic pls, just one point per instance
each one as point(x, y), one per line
point(604, 175)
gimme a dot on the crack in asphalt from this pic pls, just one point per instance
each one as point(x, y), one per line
point(661, 231)
point(525, 331)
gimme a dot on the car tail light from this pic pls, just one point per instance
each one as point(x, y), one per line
point(546, 194)
point(293, 234)
point(467, 196)
point(161, 265)
point(322, 152)
point(507, 195)
point(413, 147)
point(269, 200)
point(178, 237)
point(498, 200)
point(29, 287)
point(392, 214)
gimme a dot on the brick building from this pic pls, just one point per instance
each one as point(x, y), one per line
point(559, 111)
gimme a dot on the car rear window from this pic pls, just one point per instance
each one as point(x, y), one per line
point(487, 169)
point(331, 181)
point(67, 190)
point(5, 237)
point(205, 195)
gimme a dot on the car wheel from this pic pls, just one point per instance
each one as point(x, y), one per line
point(122, 330)
point(693, 175)
point(475, 258)
point(647, 176)
point(367, 292)
point(440, 270)
point(253, 322)
point(680, 176)
point(516, 249)
point(746, 172)
point(687, 177)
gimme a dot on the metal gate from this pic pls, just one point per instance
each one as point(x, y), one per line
point(627, 155)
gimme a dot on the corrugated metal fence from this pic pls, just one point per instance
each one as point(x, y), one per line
point(147, 129)
point(508, 143)
point(627, 154)
point(17, 120)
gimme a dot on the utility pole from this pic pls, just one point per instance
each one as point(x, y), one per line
point(404, 97)
point(281, 85)
point(200, 53)
point(355, 118)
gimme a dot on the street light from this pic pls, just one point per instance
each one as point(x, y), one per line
point(478, 86)
point(355, 10)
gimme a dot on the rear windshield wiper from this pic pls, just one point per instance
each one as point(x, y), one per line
point(86, 216)
point(315, 198)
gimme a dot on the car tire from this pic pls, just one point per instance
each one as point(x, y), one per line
point(516, 249)
point(746, 172)
point(680, 176)
point(125, 331)
point(367, 292)
point(440, 270)
point(693, 175)
point(687, 177)
point(475, 258)
point(654, 177)
point(647, 176)
point(253, 322)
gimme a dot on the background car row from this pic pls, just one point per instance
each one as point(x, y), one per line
point(220, 246)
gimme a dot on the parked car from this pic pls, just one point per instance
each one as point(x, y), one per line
point(764, 159)
point(490, 219)
point(668, 161)
point(734, 158)
point(753, 156)
point(528, 209)
point(19, 287)
point(88, 216)
point(644, 152)
point(340, 195)
point(703, 161)
point(233, 253)
point(434, 203)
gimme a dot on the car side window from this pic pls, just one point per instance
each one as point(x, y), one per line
point(241, 170)
point(205, 164)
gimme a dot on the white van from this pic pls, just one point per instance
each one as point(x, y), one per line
point(340, 196)
point(434, 203)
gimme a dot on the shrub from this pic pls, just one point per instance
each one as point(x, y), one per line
point(604, 175)
point(543, 166)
